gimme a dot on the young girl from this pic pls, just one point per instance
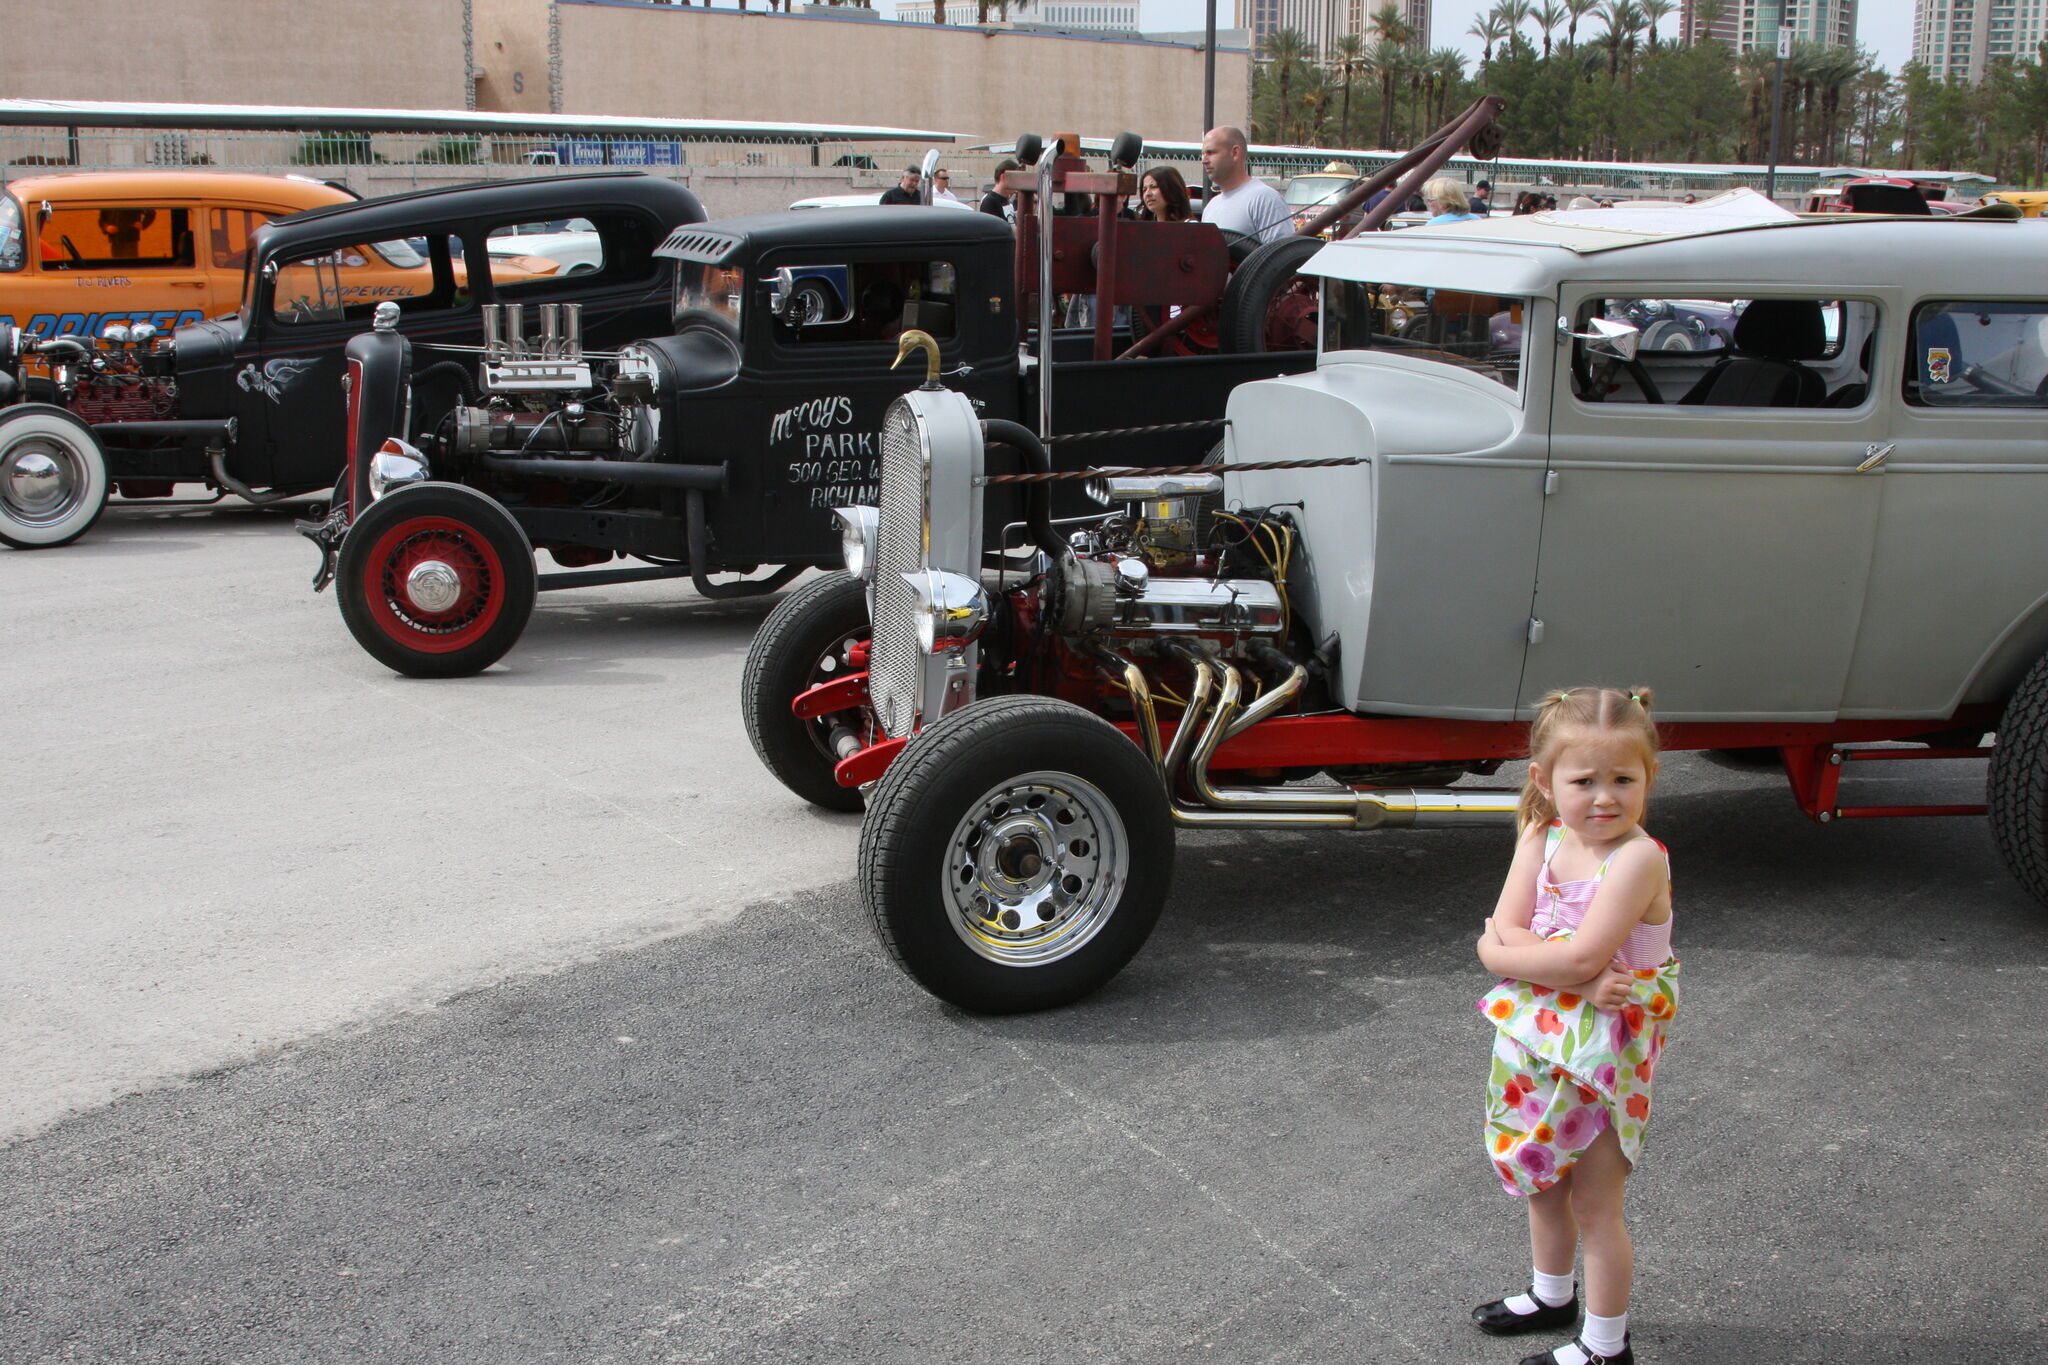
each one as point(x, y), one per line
point(1582, 931)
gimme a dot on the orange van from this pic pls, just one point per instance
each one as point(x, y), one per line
point(82, 250)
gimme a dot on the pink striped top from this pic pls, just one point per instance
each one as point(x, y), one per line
point(1563, 905)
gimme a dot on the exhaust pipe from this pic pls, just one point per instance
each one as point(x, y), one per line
point(1282, 807)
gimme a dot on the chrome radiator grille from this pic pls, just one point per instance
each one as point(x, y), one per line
point(896, 664)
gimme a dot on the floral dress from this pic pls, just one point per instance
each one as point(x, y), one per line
point(1563, 1071)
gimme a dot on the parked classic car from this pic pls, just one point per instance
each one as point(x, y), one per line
point(252, 402)
point(722, 445)
point(85, 250)
point(1823, 542)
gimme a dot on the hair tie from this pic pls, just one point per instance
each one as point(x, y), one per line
point(1635, 698)
point(1561, 695)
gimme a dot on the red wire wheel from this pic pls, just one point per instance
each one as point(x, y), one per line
point(436, 581)
point(430, 544)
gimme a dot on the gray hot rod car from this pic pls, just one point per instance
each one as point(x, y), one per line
point(1819, 538)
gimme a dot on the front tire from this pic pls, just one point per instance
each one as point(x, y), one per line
point(2017, 787)
point(53, 477)
point(1016, 855)
point(805, 641)
point(436, 581)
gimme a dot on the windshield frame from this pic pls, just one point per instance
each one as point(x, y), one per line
point(1341, 299)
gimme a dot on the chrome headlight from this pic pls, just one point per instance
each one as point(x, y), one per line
point(395, 465)
point(951, 610)
point(857, 539)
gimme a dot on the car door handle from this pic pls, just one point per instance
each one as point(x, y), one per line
point(1875, 455)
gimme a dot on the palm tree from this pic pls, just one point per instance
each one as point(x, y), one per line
point(1513, 13)
point(1348, 59)
point(1288, 50)
point(1488, 29)
point(1395, 33)
point(1445, 67)
point(1656, 12)
point(1705, 14)
point(1548, 16)
point(1835, 68)
point(1577, 10)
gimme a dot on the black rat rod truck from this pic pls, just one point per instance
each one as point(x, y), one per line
point(723, 446)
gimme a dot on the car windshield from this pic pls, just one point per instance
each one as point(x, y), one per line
point(708, 288)
point(1304, 190)
point(13, 251)
point(1478, 333)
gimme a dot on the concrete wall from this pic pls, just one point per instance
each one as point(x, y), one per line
point(620, 58)
point(364, 52)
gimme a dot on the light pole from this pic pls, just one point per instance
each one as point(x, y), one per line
point(1777, 100)
point(1208, 85)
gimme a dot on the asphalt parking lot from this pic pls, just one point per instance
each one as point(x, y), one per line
point(523, 1018)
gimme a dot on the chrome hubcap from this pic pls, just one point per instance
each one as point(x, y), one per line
point(433, 586)
point(1036, 868)
point(39, 482)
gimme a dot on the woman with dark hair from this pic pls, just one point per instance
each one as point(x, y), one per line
point(1163, 196)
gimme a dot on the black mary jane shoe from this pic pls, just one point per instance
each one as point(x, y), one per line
point(1503, 1321)
point(1627, 1356)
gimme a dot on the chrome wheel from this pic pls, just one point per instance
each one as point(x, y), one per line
point(53, 477)
point(1038, 865)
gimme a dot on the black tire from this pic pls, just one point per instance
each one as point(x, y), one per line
point(803, 643)
point(492, 585)
point(2017, 787)
point(1261, 309)
point(978, 817)
point(53, 477)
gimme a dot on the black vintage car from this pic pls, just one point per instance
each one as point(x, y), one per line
point(724, 445)
point(252, 403)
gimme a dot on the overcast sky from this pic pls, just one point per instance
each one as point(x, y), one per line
point(1883, 26)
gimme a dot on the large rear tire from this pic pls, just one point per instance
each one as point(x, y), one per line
point(436, 581)
point(2017, 787)
point(1016, 855)
point(53, 477)
point(804, 642)
point(1269, 305)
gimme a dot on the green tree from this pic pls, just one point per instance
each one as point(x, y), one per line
point(1348, 61)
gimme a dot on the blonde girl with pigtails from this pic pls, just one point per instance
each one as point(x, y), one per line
point(1581, 937)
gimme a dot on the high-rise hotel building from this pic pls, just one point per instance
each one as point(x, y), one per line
point(1747, 24)
point(1323, 22)
point(1960, 38)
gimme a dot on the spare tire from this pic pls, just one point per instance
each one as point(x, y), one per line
point(1265, 308)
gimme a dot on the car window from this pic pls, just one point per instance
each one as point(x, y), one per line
point(1726, 351)
point(1478, 333)
point(862, 301)
point(1978, 354)
point(13, 256)
point(529, 255)
point(347, 283)
point(227, 235)
point(118, 237)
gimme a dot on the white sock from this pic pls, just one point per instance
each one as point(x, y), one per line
point(1551, 1291)
point(1554, 1290)
point(1604, 1336)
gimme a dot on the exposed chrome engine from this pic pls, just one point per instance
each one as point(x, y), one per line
point(1171, 610)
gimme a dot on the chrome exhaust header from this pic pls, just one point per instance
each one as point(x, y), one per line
point(1278, 807)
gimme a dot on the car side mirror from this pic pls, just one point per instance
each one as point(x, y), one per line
point(1604, 336)
point(269, 271)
